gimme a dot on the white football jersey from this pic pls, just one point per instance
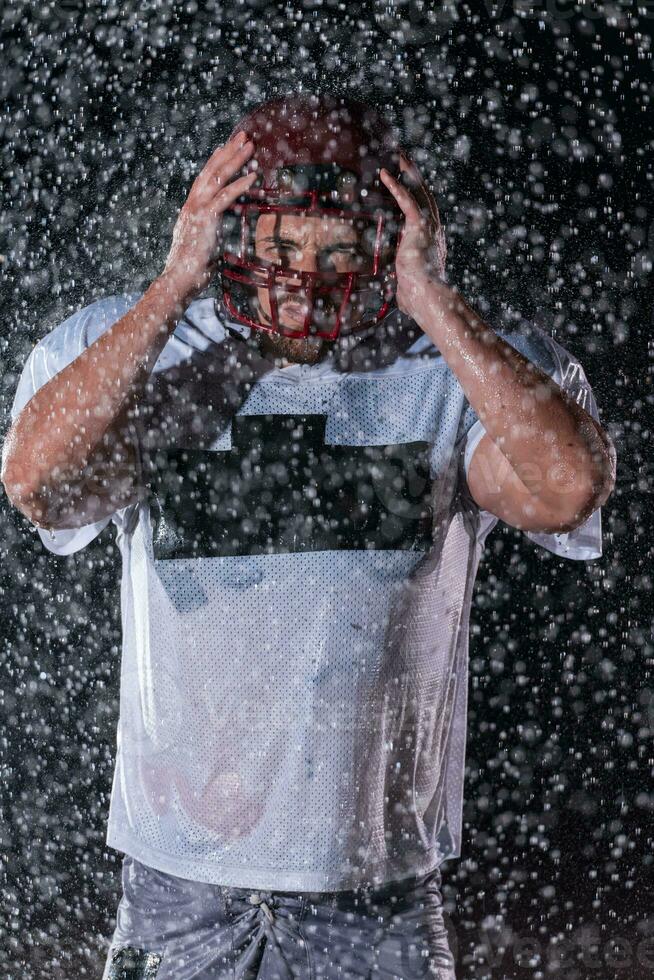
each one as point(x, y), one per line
point(296, 588)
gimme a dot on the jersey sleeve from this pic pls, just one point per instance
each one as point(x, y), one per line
point(584, 542)
point(50, 356)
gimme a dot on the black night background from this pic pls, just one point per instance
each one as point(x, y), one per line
point(533, 125)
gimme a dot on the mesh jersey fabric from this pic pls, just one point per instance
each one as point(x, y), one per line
point(293, 715)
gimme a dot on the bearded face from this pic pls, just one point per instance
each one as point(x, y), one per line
point(317, 244)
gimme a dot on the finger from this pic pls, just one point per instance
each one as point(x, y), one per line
point(230, 192)
point(219, 156)
point(432, 207)
point(404, 198)
point(229, 167)
point(213, 182)
point(240, 152)
point(226, 149)
point(411, 169)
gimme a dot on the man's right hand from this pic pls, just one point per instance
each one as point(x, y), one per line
point(193, 256)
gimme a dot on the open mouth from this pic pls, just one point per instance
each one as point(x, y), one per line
point(294, 311)
point(323, 313)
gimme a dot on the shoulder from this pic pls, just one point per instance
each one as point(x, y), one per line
point(198, 332)
point(534, 343)
point(71, 336)
point(391, 350)
point(64, 342)
point(197, 329)
point(528, 338)
point(547, 354)
point(201, 325)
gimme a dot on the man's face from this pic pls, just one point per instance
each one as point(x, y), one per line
point(308, 244)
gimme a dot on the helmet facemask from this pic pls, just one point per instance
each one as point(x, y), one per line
point(354, 231)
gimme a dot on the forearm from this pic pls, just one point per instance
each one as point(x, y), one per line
point(554, 446)
point(64, 424)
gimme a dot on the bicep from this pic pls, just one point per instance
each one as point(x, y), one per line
point(495, 487)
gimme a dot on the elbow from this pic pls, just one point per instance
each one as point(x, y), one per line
point(33, 499)
point(23, 495)
point(601, 478)
point(603, 489)
point(589, 495)
point(12, 473)
point(29, 503)
point(586, 503)
point(16, 491)
point(18, 479)
point(7, 465)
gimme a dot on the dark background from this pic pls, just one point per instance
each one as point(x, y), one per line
point(533, 124)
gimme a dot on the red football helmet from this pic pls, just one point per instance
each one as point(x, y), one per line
point(317, 156)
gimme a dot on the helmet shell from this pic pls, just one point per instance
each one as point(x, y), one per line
point(312, 129)
point(315, 155)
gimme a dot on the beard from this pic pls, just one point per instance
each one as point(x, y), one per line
point(305, 350)
point(369, 347)
point(297, 350)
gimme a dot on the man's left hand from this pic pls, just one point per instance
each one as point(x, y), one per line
point(422, 250)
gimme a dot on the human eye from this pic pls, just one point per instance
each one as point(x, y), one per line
point(283, 250)
point(346, 248)
point(350, 252)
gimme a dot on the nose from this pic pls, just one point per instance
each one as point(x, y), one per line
point(312, 260)
point(307, 260)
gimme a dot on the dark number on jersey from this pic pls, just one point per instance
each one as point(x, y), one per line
point(281, 488)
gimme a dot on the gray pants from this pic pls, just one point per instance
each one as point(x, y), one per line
point(168, 928)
